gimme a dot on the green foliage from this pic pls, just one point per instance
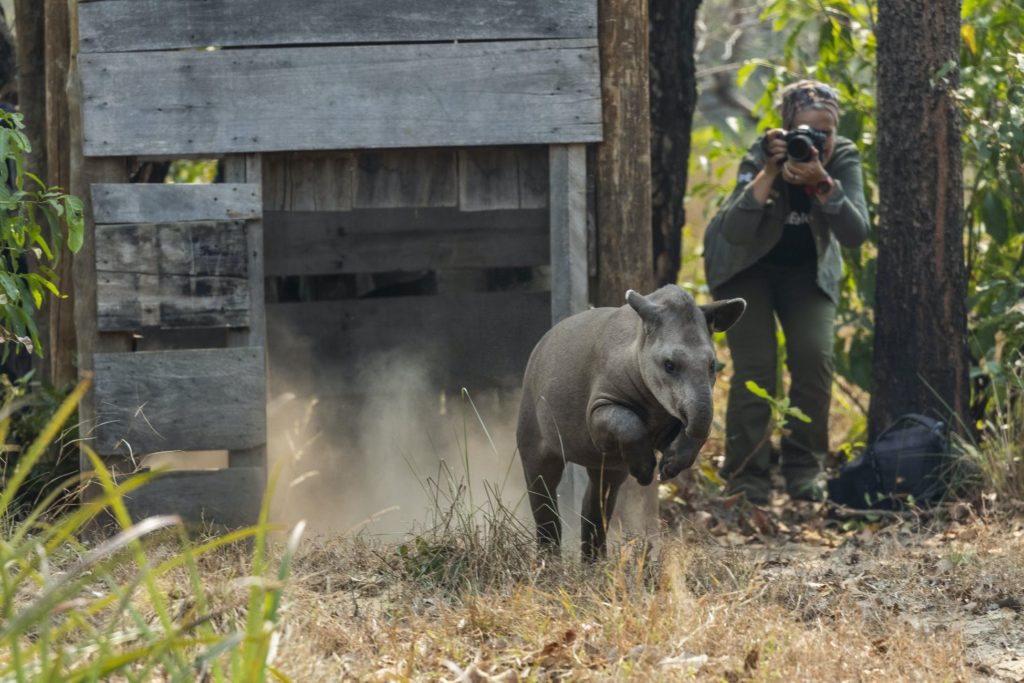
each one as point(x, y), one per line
point(23, 212)
point(782, 409)
point(30, 405)
point(192, 171)
point(75, 613)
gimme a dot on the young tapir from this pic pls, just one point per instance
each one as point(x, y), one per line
point(605, 388)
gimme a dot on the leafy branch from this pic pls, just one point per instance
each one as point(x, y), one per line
point(29, 253)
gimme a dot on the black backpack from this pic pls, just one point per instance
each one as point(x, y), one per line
point(910, 463)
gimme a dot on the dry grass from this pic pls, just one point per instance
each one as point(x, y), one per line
point(890, 604)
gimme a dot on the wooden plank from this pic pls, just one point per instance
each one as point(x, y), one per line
point(369, 96)
point(249, 168)
point(172, 275)
point(569, 293)
point(488, 179)
point(314, 253)
point(369, 221)
point(229, 497)
point(209, 399)
point(533, 177)
point(308, 181)
point(390, 179)
point(320, 248)
point(473, 340)
point(170, 203)
point(125, 25)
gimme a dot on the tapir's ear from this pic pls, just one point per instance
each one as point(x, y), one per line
point(721, 315)
point(647, 309)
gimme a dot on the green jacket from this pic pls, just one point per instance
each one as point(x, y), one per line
point(743, 230)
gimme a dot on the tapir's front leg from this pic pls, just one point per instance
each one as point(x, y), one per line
point(680, 455)
point(617, 430)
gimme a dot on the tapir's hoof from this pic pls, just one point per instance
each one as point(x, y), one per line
point(644, 475)
point(670, 469)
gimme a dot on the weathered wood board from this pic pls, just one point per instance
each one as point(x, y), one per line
point(503, 178)
point(366, 96)
point(229, 497)
point(321, 244)
point(331, 348)
point(308, 180)
point(387, 179)
point(405, 220)
point(172, 275)
point(209, 399)
point(569, 292)
point(173, 203)
point(125, 25)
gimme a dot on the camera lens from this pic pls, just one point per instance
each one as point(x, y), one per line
point(798, 147)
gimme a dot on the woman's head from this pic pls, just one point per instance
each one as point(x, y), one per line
point(815, 104)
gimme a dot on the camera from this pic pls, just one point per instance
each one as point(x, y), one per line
point(801, 139)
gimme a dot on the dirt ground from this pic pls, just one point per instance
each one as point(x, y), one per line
point(947, 571)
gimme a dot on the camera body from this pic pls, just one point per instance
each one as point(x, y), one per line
point(801, 140)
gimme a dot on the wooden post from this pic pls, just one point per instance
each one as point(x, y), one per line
point(82, 173)
point(568, 178)
point(625, 252)
point(60, 346)
point(625, 257)
point(569, 295)
point(247, 168)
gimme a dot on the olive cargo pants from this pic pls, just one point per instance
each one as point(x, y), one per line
point(807, 316)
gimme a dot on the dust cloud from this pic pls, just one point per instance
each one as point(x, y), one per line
point(385, 454)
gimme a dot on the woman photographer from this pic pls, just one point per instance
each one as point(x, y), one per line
point(775, 242)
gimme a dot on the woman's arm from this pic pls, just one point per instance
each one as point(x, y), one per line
point(844, 207)
point(743, 211)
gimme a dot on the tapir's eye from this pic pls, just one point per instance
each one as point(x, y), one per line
point(670, 367)
point(714, 367)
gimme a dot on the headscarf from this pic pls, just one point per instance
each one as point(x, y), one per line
point(808, 94)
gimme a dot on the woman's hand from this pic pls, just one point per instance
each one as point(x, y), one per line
point(775, 152)
point(809, 172)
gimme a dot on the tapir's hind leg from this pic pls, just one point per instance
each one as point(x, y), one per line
point(543, 473)
point(598, 505)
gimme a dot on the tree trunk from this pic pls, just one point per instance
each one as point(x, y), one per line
point(623, 197)
point(624, 257)
point(673, 101)
point(921, 355)
point(29, 26)
point(61, 348)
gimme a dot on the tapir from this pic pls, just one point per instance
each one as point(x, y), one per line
point(605, 389)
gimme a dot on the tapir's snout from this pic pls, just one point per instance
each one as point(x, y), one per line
point(696, 421)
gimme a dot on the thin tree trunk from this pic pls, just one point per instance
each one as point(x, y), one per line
point(673, 101)
point(61, 347)
point(29, 25)
point(921, 355)
point(624, 157)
